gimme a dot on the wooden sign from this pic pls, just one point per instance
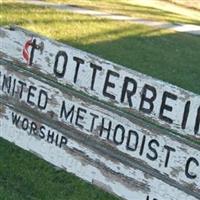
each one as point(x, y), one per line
point(165, 104)
point(166, 156)
point(94, 165)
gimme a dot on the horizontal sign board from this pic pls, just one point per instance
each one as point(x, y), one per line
point(89, 164)
point(163, 103)
point(152, 148)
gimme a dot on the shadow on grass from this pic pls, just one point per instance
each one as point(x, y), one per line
point(119, 8)
point(47, 22)
point(155, 13)
point(170, 57)
point(145, 12)
point(21, 14)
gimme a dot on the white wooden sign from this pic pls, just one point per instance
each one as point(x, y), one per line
point(166, 104)
point(87, 163)
point(151, 148)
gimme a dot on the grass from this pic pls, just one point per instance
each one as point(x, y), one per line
point(193, 4)
point(170, 56)
point(151, 9)
point(23, 176)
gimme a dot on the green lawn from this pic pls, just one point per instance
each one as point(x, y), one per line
point(170, 56)
point(151, 10)
point(194, 4)
point(24, 176)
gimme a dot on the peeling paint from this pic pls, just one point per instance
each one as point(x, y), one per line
point(91, 166)
point(44, 64)
point(152, 149)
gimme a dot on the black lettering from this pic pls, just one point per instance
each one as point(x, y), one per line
point(94, 117)
point(153, 150)
point(65, 113)
point(164, 106)
point(169, 150)
point(15, 119)
point(60, 74)
point(185, 115)
point(142, 145)
point(148, 198)
point(33, 128)
point(50, 136)
point(80, 117)
point(95, 68)
point(31, 94)
point(42, 133)
point(127, 92)
point(25, 124)
point(128, 145)
point(56, 140)
point(197, 123)
point(6, 84)
point(189, 174)
point(146, 99)
point(103, 128)
point(109, 84)
point(43, 97)
point(13, 89)
point(34, 46)
point(116, 133)
point(63, 141)
point(22, 84)
point(78, 62)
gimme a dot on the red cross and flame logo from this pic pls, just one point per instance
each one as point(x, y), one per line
point(25, 53)
point(28, 56)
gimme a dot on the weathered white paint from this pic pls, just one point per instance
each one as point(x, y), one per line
point(135, 184)
point(12, 42)
point(176, 167)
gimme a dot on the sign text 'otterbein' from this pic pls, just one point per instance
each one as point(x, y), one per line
point(99, 120)
point(161, 102)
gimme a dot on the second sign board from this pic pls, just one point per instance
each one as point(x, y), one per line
point(86, 162)
point(164, 155)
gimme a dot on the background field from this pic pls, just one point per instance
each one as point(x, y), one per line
point(167, 55)
point(161, 10)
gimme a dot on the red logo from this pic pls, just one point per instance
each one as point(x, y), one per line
point(25, 52)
